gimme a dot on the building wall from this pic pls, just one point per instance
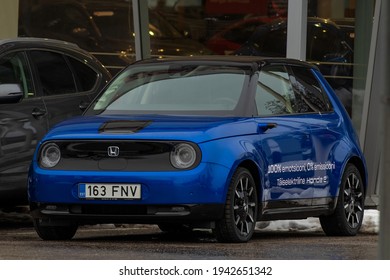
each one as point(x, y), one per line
point(9, 18)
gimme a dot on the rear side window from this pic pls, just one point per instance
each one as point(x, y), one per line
point(55, 75)
point(274, 93)
point(85, 76)
point(62, 74)
point(309, 95)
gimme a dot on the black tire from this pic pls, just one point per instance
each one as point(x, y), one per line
point(47, 232)
point(347, 218)
point(239, 220)
point(175, 228)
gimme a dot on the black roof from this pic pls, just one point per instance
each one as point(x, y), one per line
point(32, 42)
point(230, 59)
point(43, 43)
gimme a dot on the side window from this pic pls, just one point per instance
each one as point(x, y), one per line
point(309, 95)
point(14, 70)
point(86, 78)
point(54, 73)
point(274, 93)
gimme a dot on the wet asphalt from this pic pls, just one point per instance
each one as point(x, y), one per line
point(19, 241)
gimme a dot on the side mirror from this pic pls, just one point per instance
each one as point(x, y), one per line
point(10, 93)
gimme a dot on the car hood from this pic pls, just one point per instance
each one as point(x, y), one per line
point(195, 129)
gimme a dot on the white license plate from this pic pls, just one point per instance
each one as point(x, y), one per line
point(109, 191)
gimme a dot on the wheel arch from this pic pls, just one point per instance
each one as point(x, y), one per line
point(253, 168)
point(360, 165)
point(356, 161)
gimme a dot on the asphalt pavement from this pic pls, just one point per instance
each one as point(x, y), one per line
point(19, 241)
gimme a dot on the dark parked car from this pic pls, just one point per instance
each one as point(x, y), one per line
point(218, 142)
point(42, 82)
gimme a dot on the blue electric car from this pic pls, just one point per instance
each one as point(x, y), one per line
point(210, 142)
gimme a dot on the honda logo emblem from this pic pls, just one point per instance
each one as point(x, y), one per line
point(113, 151)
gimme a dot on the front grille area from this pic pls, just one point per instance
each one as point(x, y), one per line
point(127, 149)
point(115, 155)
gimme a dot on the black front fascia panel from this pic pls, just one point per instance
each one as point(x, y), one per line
point(132, 155)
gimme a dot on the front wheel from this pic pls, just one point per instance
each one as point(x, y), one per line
point(54, 232)
point(240, 214)
point(347, 218)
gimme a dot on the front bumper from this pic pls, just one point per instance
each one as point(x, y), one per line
point(205, 184)
point(197, 194)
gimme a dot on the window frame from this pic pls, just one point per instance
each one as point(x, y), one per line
point(65, 56)
point(28, 70)
point(291, 75)
point(258, 114)
point(324, 96)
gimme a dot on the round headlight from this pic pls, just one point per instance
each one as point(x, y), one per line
point(183, 156)
point(50, 155)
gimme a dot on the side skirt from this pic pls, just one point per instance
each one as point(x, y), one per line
point(296, 209)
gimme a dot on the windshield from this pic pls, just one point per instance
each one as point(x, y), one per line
point(174, 89)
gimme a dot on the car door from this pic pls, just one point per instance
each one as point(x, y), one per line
point(286, 144)
point(325, 131)
point(22, 122)
point(67, 84)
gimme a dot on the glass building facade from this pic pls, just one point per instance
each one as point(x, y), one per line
point(335, 35)
point(338, 33)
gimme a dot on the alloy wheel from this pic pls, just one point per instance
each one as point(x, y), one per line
point(353, 200)
point(244, 205)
